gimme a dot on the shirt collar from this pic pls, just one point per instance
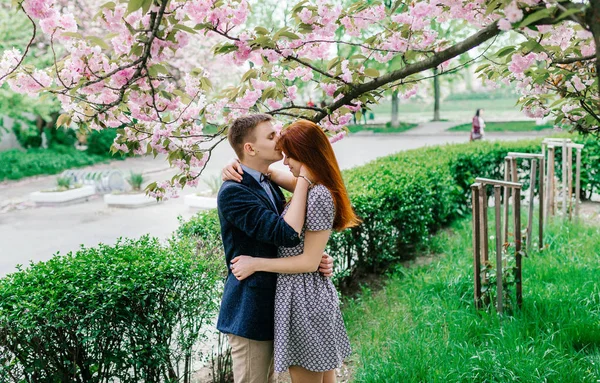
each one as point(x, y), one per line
point(254, 173)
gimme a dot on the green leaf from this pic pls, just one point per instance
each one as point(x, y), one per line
point(146, 6)
point(481, 67)
point(134, 5)
point(289, 35)
point(333, 62)
point(97, 41)
point(225, 48)
point(185, 28)
point(158, 68)
point(371, 72)
point(568, 13)
point(261, 31)
point(252, 73)
point(63, 120)
point(542, 13)
point(505, 51)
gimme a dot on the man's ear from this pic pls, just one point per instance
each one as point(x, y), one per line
point(249, 149)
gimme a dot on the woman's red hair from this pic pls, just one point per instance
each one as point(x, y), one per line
point(304, 141)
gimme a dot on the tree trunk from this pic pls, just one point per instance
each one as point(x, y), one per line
point(592, 18)
point(436, 95)
point(395, 108)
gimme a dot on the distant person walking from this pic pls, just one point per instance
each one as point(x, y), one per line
point(477, 128)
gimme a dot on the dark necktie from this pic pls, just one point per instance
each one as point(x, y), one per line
point(265, 177)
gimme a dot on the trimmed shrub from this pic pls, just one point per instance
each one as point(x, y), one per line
point(60, 136)
point(131, 312)
point(28, 134)
point(16, 164)
point(405, 197)
point(100, 141)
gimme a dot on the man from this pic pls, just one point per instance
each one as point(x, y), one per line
point(251, 224)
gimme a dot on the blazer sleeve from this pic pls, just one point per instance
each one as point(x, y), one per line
point(245, 211)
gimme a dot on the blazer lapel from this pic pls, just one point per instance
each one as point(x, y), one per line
point(279, 197)
point(255, 187)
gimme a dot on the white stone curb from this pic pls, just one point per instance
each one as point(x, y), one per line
point(63, 197)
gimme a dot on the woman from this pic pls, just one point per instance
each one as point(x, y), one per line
point(477, 126)
point(310, 337)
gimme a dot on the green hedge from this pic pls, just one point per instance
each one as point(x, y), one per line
point(16, 164)
point(405, 197)
point(100, 141)
point(131, 312)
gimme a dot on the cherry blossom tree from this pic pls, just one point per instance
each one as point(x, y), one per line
point(122, 78)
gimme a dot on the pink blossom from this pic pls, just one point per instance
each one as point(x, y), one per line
point(337, 137)
point(273, 104)
point(122, 147)
point(504, 25)
point(567, 108)
point(410, 93)
point(292, 92)
point(520, 63)
point(249, 99)
point(577, 84)
point(198, 163)
point(421, 9)
point(329, 88)
point(513, 13)
point(306, 16)
point(588, 49)
point(356, 107)
point(346, 73)
point(261, 85)
point(39, 9)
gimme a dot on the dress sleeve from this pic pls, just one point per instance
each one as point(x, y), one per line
point(320, 210)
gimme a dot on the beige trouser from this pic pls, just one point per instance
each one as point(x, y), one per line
point(252, 360)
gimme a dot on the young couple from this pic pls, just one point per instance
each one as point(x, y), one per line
point(280, 309)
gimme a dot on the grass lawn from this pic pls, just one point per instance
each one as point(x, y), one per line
point(422, 326)
point(453, 110)
point(509, 126)
point(16, 164)
point(382, 128)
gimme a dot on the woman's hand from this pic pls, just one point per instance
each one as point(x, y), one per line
point(243, 266)
point(232, 171)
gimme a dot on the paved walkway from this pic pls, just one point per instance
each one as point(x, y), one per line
point(28, 233)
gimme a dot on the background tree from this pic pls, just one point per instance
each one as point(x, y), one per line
point(124, 79)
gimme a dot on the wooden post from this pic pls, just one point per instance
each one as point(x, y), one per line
point(476, 245)
point(499, 245)
point(507, 163)
point(484, 229)
point(532, 175)
point(578, 183)
point(541, 207)
point(564, 178)
point(550, 185)
point(570, 180)
point(518, 273)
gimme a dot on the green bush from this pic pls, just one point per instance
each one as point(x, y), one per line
point(131, 312)
point(60, 136)
point(16, 164)
point(100, 141)
point(405, 197)
point(27, 134)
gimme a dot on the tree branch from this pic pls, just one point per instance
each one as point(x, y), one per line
point(428, 63)
point(572, 60)
point(26, 48)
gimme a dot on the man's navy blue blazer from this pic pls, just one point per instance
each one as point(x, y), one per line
point(250, 225)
